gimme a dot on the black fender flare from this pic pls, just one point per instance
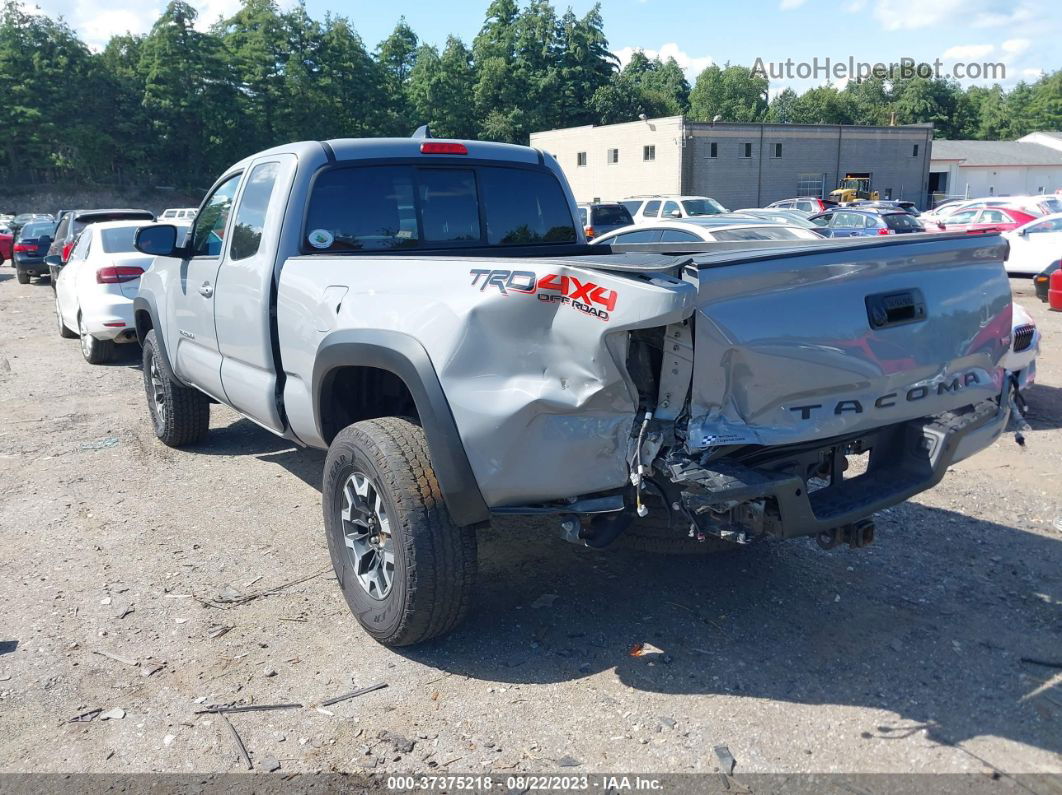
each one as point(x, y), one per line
point(406, 358)
point(144, 304)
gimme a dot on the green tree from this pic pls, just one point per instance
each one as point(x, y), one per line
point(732, 92)
point(782, 109)
point(46, 126)
point(188, 97)
point(584, 66)
point(255, 51)
point(396, 56)
point(441, 90)
point(821, 105)
point(497, 94)
point(644, 86)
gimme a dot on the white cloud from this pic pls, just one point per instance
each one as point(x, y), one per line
point(96, 25)
point(691, 65)
point(1032, 74)
point(789, 5)
point(1016, 46)
point(904, 15)
point(854, 6)
point(965, 52)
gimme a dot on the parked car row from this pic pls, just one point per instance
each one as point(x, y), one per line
point(94, 270)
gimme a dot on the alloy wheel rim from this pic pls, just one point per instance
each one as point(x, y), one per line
point(367, 535)
point(158, 395)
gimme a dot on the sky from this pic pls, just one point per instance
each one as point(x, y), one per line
point(1021, 35)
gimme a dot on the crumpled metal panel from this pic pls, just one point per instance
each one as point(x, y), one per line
point(785, 351)
point(535, 379)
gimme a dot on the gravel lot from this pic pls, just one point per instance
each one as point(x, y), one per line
point(906, 656)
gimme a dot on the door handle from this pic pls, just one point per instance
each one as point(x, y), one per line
point(206, 290)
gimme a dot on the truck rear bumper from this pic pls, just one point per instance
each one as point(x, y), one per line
point(904, 459)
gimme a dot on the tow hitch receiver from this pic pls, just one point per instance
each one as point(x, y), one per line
point(857, 535)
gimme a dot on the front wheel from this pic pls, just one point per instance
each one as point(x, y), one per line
point(180, 414)
point(406, 570)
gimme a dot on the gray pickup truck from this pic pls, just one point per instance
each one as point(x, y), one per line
point(430, 313)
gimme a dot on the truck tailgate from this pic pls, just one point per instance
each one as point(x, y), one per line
point(836, 340)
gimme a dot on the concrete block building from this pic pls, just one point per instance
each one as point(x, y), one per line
point(739, 165)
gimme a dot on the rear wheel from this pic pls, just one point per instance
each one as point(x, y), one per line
point(180, 414)
point(95, 351)
point(405, 568)
point(64, 332)
point(23, 277)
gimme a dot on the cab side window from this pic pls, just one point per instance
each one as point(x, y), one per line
point(651, 209)
point(670, 208)
point(250, 217)
point(208, 233)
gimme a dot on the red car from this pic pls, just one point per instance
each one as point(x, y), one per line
point(6, 241)
point(987, 219)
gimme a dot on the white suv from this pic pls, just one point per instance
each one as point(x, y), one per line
point(650, 209)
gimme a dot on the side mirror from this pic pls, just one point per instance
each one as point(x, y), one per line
point(53, 261)
point(675, 213)
point(158, 241)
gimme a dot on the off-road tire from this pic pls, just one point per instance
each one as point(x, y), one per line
point(64, 332)
point(95, 351)
point(186, 415)
point(435, 560)
point(23, 277)
point(653, 534)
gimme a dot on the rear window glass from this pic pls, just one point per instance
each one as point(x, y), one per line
point(30, 231)
point(632, 206)
point(611, 215)
point(757, 233)
point(380, 208)
point(901, 221)
point(118, 240)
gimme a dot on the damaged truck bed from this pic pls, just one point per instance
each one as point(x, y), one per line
point(767, 373)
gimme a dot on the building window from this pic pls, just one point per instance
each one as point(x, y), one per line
point(613, 156)
point(580, 158)
point(915, 152)
point(746, 150)
point(648, 153)
point(713, 149)
point(776, 150)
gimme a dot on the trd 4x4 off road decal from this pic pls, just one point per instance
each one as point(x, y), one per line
point(587, 297)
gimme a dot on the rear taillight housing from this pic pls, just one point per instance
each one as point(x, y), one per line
point(67, 248)
point(884, 231)
point(442, 148)
point(590, 233)
point(115, 274)
point(22, 248)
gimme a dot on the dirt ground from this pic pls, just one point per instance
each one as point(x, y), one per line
point(905, 656)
